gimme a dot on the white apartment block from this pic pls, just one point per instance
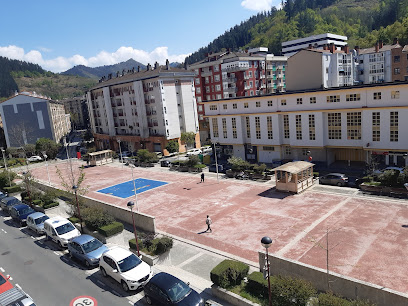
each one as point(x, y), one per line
point(143, 109)
point(291, 47)
point(349, 123)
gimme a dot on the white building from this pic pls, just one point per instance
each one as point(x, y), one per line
point(348, 123)
point(290, 47)
point(143, 109)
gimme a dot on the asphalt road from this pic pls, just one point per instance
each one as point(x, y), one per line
point(49, 276)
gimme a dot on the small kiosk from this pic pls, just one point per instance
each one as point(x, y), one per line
point(294, 176)
point(100, 158)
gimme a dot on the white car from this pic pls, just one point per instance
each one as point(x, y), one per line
point(34, 158)
point(194, 152)
point(206, 149)
point(60, 230)
point(125, 267)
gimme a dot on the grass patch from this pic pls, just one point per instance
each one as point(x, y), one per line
point(373, 183)
point(241, 291)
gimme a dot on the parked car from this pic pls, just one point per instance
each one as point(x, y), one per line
point(3, 195)
point(165, 163)
point(34, 158)
point(124, 154)
point(87, 249)
point(7, 202)
point(221, 168)
point(35, 222)
point(20, 212)
point(194, 152)
point(4, 284)
point(165, 289)
point(338, 179)
point(60, 230)
point(388, 168)
point(15, 297)
point(206, 149)
point(125, 267)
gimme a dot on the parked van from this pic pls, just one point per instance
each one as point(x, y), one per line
point(60, 230)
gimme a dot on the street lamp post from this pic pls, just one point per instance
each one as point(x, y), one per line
point(134, 186)
point(216, 161)
point(46, 164)
point(5, 165)
point(266, 243)
point(130, 204)
point(75, 187)
point(26, 176)
point(69, 160)
point(120, 151)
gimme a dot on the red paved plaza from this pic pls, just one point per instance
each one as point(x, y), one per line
point(368, 238)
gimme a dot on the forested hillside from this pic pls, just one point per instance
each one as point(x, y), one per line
point(363, 21)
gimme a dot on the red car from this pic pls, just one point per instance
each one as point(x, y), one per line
point(4, 284)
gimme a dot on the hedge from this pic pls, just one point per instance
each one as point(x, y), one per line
point(50, 205)
point(229, 273)
point(12, 189)
point(95, 217)
point(36, 202)
point(74, 219)
point(161, 245)
point(132, 244)
point(329, 299)
point(111, 229)
point(257, 285)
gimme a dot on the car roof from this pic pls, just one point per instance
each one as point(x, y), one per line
point(9, 198)
point(339, 174)
point(19, 206)
point(83, 239)
point(118, 253)
point(37, 215)
point(56, 220)
point(164, 280)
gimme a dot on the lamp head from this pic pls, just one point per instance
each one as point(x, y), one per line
point(266, 242)
point(75, 187)
point(130, 204)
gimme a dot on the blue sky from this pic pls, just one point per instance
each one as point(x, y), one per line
point(60, 34)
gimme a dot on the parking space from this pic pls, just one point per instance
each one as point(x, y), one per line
point(367, 235)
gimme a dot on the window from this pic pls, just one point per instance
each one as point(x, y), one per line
point(207, 89)
point(199, 99)
point(395, 94)
point(334, 124)
point(234, 127)
point(234, 105)
point(198, 90)
point(251, 93)
point(288, 151)
point(312, 100)
point(207, 80)
point(286, 133)
point(331, 99)
point(299, 127)
point(397, 59)
point(354, 125)
point(269, 127)
point(299, 101)
point(197, 81)
point(250, 75)
point(377, 96)
point(224, 127)
point(246, 105)
point(268, 148)
point(353, 97)
point(224, 106)
point(219, 97)
point(376, 126)
point(200, 107)
point(393, 126)
point(258, 128)
point(258, 104)
point(215, 127)
point(270, 103)
point(218, 87)
point(213, 107)
point(248, 127)
point(216, 68)
point(312, 127)
point(397, 70)
point(216, 78)
point(283, 102)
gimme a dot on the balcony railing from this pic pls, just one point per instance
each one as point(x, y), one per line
point(246, 77)
point(247, 87)
point(230, 80)
point(206, 73)
point(236, 68)
point(230, 89)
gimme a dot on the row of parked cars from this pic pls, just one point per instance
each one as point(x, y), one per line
point(116, 262)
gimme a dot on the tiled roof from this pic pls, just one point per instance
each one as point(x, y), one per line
point(383, 49)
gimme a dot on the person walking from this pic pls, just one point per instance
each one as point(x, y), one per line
point(208, 222)
point(202, 177)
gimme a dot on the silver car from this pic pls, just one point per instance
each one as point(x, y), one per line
point(35, 222)
point(338, 179)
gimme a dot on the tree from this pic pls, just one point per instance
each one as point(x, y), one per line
point(29, 149)
point(193, 160)
point(49, 146)
point(238, 164)
point(188, 138)
point(88, 136)
point(172, 146)
point(144, 156)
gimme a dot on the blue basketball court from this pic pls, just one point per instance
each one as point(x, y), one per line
point(126, 189)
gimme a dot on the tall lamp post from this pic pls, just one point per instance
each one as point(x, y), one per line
point(134, 187)
point(75, 187)
point(266, 243)
point(46, 163)
point(216, 161)
point(5, 164)
point(130, 204)
point(120, 151)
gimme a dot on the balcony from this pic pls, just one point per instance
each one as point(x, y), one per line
point(230, 80)
point(230, 89)
point(206, 73)
point(262, 76)
point(247, 87)
point(233, 69)
point(150, 124)
point(246, 77)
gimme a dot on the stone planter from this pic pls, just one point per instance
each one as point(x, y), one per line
point(183, 169)
point(384, 190)
point(115, 239)
point(230, 297)
point(149, 259)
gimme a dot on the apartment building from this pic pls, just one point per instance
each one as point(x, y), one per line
point(229, 74)
point(27, 117)
point(78, 110)
point(399, 58)
point(321, 68)
point(291, 47)
point(346, 123)
point(143, 109)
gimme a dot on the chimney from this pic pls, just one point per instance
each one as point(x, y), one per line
point(133, 70)
point(123, 72)
point(138, 68)
point(377, 47)
point(357, 48)
point(332, 48)
point(148, 67)
point(167, 64)
point(381, 44)
point(117, 74)
point(310, 47)
point(156, 65)
point(346, 49)
point(395, 42)
point(325, 47)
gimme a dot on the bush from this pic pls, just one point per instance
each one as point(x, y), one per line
point(74, 219)
point(200, 166)
point(95, 217)
point(257, 285)
point(329, 299)
point(291, 291)
point(132, 244)
point(37, 202)
point(160, 245)
point(12, 189)
point(259, 168)
point(229, 273)
point(4, 178)
point(111, 229)
point(50, 205)
point(389, 178)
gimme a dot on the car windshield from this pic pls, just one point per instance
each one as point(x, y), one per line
point(26, 211)
point(12, 201)
point(63, 229)
point(92, 245)
point(41, 219)
point(129, 263)
point(178, 291)
point(2, 280)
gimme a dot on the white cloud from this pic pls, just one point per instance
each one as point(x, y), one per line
point(59, 64)
point(259, 5)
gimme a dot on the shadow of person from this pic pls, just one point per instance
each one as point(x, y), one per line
point(203, 232)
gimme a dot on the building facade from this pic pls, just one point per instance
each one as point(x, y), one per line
point(27, 117)
point(143, 109)
point(339, 124)
point(78, 110)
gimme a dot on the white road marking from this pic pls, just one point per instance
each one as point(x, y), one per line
point(9, 277)
point(4, 231)
point(57, 253)
point(19, 287)
point(2, 270)
point(33, 237)
point(131, 303)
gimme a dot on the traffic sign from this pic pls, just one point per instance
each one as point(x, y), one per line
point(83, 301)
